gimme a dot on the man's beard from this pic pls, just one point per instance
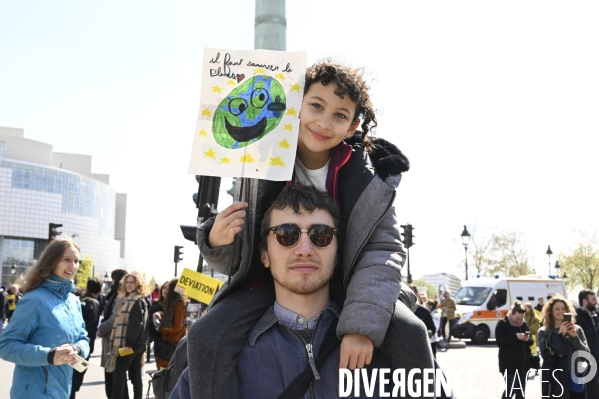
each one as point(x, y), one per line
point(306, 285)
point(591, 308)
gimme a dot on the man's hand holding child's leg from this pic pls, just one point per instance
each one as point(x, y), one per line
point(356, 351)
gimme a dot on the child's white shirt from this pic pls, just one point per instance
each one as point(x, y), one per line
point(316, 178)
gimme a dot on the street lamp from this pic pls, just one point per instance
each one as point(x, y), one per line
point(465, 240)
point(557, 267)
point(549, 253)
point(13, 269)
point(565, 276)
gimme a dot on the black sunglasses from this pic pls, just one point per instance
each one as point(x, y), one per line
point(288, 234)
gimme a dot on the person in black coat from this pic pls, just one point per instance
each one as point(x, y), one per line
point(512, 336)
point(586, 318)
point(90, 309)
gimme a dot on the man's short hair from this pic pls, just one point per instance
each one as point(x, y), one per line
point(94, 285)
point(584, 294)
point(299, 197)
point(541, 298)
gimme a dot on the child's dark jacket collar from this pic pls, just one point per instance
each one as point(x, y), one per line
point(386, 158)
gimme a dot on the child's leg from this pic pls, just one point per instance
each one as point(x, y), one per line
point(406, 343)
point(216, 339)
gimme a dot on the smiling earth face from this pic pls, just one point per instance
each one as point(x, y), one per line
point(249, 112)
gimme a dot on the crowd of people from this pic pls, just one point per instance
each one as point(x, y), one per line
point(297, 307)
point(51, 329)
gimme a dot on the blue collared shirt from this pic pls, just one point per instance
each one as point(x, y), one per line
point(293, 320)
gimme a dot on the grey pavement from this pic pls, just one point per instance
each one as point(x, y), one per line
point(474, 370)
point(93, 382)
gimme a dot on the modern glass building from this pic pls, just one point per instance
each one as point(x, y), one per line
point(39, 187)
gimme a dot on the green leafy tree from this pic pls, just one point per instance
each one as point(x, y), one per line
point(431, 291)
point(582, 262)
point(84, 272)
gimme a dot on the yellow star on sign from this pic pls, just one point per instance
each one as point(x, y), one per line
point(276, 162)
point(280, 76)
point(285, 144)
point(288, 127)
point(231, 82)
point(216, 89)
point(225, 160)
point(295, 87)
point(247, 158)
point(258, 70)
point(202, 133)
point(210, 154)
point(292, 111)
point(206, 112)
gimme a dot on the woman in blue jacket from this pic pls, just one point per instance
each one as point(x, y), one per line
point(47, 330)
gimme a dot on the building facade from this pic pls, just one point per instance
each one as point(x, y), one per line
point(39, 186)
point(451, 282)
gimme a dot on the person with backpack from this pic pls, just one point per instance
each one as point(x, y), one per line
point(360, 173)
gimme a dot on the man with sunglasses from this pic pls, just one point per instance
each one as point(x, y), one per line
point(297, 334)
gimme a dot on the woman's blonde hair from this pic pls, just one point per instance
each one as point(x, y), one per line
point(141, 288)
point(548, 320)
point(46, 263)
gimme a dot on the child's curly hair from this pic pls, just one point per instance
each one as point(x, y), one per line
point(349, 81)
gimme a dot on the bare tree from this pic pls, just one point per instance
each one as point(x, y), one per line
point(481, 247)
point(582, 263)
point(510, 255)
point(504, 253)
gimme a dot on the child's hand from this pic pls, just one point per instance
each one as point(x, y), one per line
point(227, 224)
point(356, 351)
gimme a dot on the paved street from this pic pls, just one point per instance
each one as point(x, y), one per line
point(474, 369)
point(481, 363)
point(93, 383)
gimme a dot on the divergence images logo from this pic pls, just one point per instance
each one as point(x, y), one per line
point(578, 366)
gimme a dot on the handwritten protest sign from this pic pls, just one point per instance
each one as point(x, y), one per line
point(248, 119)
point(197, 285)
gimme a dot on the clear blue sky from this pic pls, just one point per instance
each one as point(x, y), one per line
point(495, 104)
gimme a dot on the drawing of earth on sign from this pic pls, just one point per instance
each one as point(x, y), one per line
point(249, 112)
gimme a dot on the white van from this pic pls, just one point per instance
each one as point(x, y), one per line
point(483, 301)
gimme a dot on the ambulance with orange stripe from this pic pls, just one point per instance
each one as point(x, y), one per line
point(483, 301)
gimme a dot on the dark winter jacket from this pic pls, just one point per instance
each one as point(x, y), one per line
point(514, 354)
point(425, 315)
point(586, 322)
point(90, 308)
point(363, 185)
point(557, 351)
point(137, 328)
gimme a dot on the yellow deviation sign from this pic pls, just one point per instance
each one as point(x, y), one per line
point(198, 286)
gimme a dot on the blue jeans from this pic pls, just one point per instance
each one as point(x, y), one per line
point(444, 321)
point(519, 386)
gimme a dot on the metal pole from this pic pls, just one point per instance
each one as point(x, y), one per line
point(270, 25)
point(409, 273)
point(466, 260)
